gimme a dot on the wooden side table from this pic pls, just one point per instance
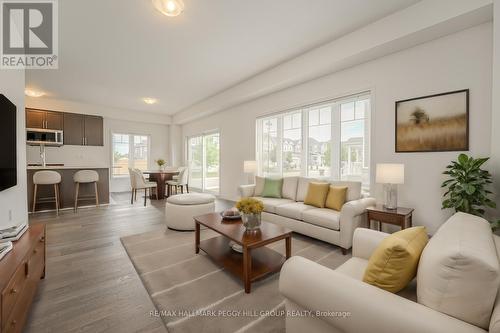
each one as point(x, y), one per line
point(400, 216)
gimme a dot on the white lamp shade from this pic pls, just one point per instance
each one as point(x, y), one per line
point(388, 173)
point(249, 166)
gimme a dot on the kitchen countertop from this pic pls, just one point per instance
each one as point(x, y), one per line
point(65, 167)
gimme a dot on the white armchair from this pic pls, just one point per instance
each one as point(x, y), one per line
point(339, 301)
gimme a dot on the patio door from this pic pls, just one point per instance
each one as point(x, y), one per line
point(203, 152)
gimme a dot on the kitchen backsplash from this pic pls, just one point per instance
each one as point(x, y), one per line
point(71, 155)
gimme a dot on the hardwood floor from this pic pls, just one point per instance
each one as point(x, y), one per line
point(90, 283)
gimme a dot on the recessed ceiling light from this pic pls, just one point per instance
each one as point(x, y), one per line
point(169, 7)
point(33, 93)
point(150, 100)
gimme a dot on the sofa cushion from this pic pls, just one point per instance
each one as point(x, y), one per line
point(302, 187)
point(270, 204)
point(336, 197)
point(272, 187)
point(394, 262)
point(355, 268)
point(322, 217)
point(316, 194)
point(259, 185)
point(289, 190)
point(353, 189)
point(458, 272)
point(293, 210)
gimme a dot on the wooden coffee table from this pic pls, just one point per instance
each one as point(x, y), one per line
point(256, 261)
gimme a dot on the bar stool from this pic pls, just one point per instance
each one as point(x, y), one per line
point(47, 177)
point(85, 177)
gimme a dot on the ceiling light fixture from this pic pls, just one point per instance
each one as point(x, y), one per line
point(169, 7)
point(33, 93)
point(149, 100)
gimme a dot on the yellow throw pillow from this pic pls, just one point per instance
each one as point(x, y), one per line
point(336, 197)
point(394, 262)
point(316, 194)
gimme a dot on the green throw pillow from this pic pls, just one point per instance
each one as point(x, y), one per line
point(272, 188)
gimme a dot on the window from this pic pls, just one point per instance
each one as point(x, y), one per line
point(269, 146)
point(292, 144)
point(329, 139)
point(129, 151)
point(352, 151)
point(203, 153)
point(319, 141)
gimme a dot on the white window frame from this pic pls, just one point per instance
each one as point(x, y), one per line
point(335, 165)
point(130, 150)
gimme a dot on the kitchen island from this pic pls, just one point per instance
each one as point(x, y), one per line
point(67, 188)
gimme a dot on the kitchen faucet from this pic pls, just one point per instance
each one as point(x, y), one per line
point(42, 155)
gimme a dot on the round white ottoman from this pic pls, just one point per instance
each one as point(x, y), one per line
point(181, 209)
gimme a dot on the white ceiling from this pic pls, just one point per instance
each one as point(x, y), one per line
point(114, 52)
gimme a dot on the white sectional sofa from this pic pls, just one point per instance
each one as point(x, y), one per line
point(335, 227)
point(455, 289)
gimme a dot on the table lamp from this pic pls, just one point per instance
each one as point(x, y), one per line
point(250, 167)
point(390, 175)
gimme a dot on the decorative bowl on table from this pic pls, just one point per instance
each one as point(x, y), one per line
point(231, 214)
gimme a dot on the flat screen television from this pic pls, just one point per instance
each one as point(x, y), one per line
point(8, 139)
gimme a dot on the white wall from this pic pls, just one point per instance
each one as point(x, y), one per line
point(459, 61)
point(495, 122)
point(175, 145)
point(13, 201)
point(80, 156)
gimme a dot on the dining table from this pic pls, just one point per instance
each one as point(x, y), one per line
point(161, 177)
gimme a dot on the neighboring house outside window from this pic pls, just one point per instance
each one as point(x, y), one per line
point(329, 140)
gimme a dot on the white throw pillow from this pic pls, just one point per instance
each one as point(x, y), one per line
point(459, 273)
point(259, 186)
point(289, 190)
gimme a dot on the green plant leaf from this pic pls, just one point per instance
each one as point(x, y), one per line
point(462, 159)
point(470, 189)
point(466, 189)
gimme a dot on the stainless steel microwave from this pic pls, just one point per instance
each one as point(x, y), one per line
point(37, 137)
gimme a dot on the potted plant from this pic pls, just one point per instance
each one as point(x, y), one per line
point(161, 162)
point(250, 210)
point(467, 186)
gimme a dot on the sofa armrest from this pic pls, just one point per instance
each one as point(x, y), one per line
point(369, 309)
point(246, 190)
point(365, 241)
point(352, 216)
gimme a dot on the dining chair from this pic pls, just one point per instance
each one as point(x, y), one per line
point(138, 182)
point(181, 181)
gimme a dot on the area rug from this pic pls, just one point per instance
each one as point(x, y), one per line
point(193, 294)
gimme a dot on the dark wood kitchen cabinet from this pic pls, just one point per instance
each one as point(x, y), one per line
point(79, 129)
point(83, 130)
point(43, 119)
point(73, 129)
point(93, 131)
point(54, 120)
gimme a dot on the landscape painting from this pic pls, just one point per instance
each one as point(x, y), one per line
point(433, 123)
